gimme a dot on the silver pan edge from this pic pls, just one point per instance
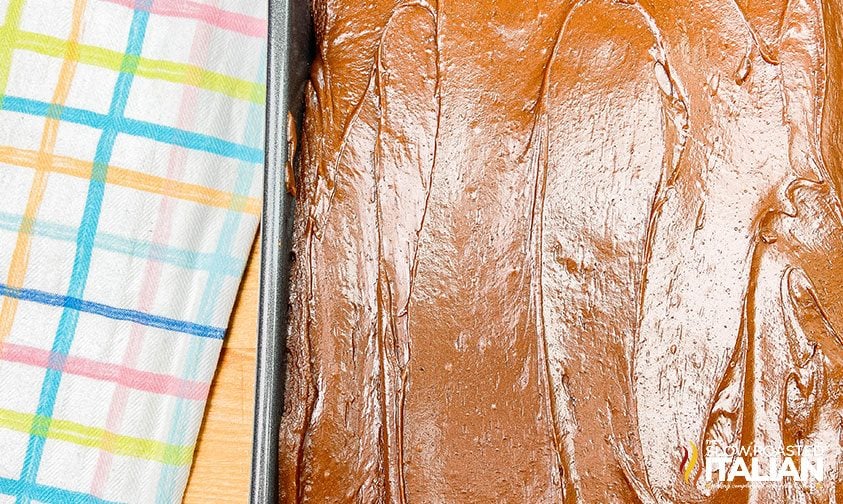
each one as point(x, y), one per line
point(288, 64)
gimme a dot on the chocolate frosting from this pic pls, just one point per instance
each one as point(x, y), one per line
point(542, 247)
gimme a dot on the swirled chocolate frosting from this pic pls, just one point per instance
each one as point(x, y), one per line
point(556, 251)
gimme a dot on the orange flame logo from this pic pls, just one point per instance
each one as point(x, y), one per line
point(689, 461)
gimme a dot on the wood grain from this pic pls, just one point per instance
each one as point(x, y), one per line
point(224, 451)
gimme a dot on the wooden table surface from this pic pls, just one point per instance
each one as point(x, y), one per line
point(224, 452)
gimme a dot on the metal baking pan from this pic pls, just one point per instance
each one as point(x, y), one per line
point(289, 51)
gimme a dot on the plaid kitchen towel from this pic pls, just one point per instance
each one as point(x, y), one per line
point(131, 139)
